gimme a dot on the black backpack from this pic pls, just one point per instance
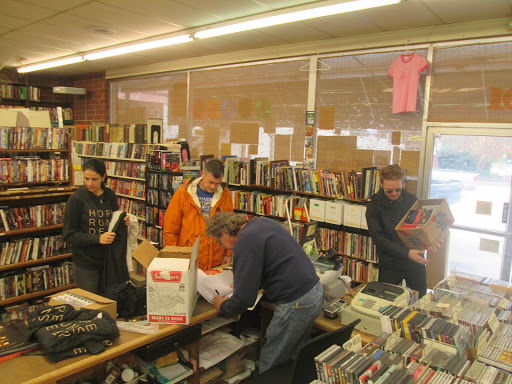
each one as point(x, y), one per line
point(131, 299)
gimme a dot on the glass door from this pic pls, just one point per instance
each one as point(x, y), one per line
point(472, 169)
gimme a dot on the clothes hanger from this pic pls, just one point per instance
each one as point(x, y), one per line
point(407, 50)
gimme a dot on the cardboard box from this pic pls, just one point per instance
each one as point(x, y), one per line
point(317, 209)
point(80, 298)
point(424, 232)
point(171, 282)
point(352, 215)
point(334, 212)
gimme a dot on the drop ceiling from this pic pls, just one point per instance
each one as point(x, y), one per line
point(37, 30)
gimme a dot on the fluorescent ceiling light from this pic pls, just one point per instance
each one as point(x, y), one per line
point(295, 16)
point(50, 64)
point(139, 47)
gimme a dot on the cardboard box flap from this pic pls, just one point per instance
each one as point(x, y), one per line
point(145, 253)
point(80, 298)
point(86, 294)
point(176, 252)
point(171, 263)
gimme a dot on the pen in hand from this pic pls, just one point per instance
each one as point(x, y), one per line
point(217, 292)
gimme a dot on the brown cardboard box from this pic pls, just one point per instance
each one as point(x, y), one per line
point(426, 235)
point(80, 298)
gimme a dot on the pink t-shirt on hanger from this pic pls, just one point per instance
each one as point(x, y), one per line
point(405, 71)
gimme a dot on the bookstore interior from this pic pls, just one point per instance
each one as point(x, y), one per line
point(303, 138)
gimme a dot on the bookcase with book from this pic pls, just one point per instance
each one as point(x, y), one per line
point(163, 178)
point(261, 187)
point(37, 97)
point(36, 179)
point(126, 166)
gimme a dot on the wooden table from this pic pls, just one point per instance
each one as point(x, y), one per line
point(39, 370)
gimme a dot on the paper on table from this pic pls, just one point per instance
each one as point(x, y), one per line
point(209, 285)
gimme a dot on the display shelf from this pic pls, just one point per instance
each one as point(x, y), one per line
point(127, 177)
point(130, 197)
point(32, 263)
point(115, 158)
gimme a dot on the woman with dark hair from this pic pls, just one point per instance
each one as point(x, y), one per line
point(86, 222)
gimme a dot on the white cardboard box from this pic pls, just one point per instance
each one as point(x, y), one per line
point(31, 118)
point(334, 212)
point(171, 282)
point(317, 209)
point(352, 215)
point(8, 117)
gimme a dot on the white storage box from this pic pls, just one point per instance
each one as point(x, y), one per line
point(334, 212)
point(171, 283)
point(317, 209)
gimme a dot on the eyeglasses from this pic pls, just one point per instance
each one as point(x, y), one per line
point(397, 190)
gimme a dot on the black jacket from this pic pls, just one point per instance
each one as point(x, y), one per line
point(115, 270)
point(382, 216)
point(87, 216)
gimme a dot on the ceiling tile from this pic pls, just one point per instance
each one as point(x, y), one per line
point(12, 22)
point(182, 15)
point(77, 27)
point(459, 11)
point(344, 25)
point(401, 16)
point(56, 5)
point(118, 18)
point(24, 11)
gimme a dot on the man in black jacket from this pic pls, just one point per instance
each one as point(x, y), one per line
point(385, 210)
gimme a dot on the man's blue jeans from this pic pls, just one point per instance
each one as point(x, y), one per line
point(290, 327)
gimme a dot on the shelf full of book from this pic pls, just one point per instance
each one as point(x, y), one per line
point(279, 175)
point(163, 178)
point(36, 179)
point(37, 98)
point(125, 165)
point(353, 245)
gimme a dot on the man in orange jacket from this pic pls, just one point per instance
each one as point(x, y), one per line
point(189, 210)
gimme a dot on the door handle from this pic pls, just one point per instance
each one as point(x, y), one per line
point(504, 215)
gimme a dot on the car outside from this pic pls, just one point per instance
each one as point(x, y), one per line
point(451, 190)
point(467, 179)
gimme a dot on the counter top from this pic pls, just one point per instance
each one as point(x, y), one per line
point(37, 369)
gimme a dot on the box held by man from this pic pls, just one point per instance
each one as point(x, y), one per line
point(425, 224)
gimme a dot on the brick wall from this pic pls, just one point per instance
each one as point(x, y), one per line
point(95, 106)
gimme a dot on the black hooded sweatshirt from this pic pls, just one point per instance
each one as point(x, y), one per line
point(87, 216)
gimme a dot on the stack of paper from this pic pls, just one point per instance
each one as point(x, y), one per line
point(209, 286)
